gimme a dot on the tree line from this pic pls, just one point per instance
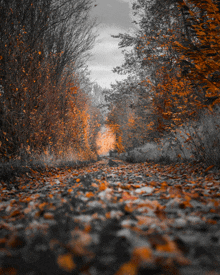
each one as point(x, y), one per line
point(171, 61)
point(44, 84)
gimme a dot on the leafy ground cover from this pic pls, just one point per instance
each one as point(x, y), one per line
point(112, 217)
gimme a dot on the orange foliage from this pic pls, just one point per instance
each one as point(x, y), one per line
point(41, 104)
point(105, 141)
point(202, 52)
point(126, 125)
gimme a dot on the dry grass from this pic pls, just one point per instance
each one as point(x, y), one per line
point(15, 167)
point(194, 141)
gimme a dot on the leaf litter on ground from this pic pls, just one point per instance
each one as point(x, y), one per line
point(112, 217)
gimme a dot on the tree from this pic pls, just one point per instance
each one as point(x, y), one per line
point(156, 65)
point(201, 54)
point(44, 45)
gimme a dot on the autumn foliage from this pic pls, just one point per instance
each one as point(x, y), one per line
point(172, 69)
point(200, 52)
point(126, 116)
point(43, 106)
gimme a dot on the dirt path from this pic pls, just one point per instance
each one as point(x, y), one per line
point(112, 217)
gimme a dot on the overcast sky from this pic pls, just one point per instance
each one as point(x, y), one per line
point(114, 17)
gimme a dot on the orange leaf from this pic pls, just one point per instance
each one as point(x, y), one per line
point(187, 204)
point(209, 168)
point(48, 216)
point(128, 208)
point(74, 174)
point(95, 216)
point(108, 215)
point(15, 213)
point(141, 254)
point(42, 205)
point(128, 269)
point(94, 185)
point(89, 194)
point(66, 262)
point(77, 180)
point(102, 187)
point(127, 196)
point(169, 246)
point(212, 221)
point(28, 199)
point(87, 228)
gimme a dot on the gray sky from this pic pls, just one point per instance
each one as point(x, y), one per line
point(114, 17)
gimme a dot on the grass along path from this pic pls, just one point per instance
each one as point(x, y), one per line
point(112, 217)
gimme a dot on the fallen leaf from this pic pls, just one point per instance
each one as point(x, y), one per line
point(141, 255)
point(66, 262)
point(102, 186)
point(128, 269)
point(209, 168)
point(15, 213)
point(48, 216)
point(89, 194)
